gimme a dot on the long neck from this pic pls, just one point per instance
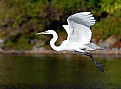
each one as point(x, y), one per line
point(53, 40)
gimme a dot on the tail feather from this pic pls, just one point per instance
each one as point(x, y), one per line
point(94, 46)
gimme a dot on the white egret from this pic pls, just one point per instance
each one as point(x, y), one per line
point(79, 36)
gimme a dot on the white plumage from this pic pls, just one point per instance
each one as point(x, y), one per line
point(79, 27)
point(79, 35)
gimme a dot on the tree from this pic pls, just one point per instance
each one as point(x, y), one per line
point(111, 6)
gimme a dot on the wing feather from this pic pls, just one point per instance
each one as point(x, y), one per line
point(66, 27)
point(79, 27)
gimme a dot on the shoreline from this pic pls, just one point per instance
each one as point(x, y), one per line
point(51, 52)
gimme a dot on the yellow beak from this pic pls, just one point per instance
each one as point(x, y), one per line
point(40, 33)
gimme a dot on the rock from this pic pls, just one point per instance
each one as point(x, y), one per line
point(108, 42)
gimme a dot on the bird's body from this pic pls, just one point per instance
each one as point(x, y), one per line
point(79, 35)
point(66, 45)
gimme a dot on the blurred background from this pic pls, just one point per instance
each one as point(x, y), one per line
point(20, 20)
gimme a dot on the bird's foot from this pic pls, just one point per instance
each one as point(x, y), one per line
point(99, 66)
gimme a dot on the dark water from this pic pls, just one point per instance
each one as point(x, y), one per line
point(59, 72)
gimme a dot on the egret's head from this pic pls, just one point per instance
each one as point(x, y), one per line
point(47, 32)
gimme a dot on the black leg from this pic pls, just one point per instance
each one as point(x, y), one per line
point(99, 66)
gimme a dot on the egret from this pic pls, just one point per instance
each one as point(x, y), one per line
point(79, 36)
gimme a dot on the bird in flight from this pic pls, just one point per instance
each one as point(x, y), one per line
point(79, 36)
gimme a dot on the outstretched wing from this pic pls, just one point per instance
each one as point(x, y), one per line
point(79, 27)
point(66, 27)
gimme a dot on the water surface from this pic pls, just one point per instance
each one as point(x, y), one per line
point(59, 72)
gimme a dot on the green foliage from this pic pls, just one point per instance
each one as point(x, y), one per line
point(111, 6)
point(18, 42)
point(107, 27)
point(20, 20)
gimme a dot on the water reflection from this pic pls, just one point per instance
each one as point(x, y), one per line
point(58, 72)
